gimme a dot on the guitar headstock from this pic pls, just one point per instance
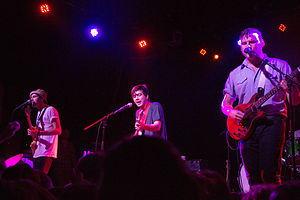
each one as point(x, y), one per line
point(27, 111)
point(298, 72)
point(294, 74)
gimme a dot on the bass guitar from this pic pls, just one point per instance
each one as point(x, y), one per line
point(243, 129)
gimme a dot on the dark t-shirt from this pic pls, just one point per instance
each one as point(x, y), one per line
point(155, 113)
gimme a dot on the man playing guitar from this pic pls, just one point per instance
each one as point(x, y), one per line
point(261, 151)
point(150, 119)
point(45, 134)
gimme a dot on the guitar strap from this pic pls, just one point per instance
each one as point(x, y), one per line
point(40, 117)
point(261, 81)
point(144, 114)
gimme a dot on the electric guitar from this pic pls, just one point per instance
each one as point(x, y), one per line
point(33, 144)
point(139, 132)
point(243, 129)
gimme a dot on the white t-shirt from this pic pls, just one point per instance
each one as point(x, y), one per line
point(46, 144)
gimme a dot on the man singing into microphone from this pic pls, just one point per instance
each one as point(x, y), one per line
point(150, 120)
point(46, 131)
point(262, 151)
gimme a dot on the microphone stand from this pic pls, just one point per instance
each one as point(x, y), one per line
point(22, 106)
point(104, 125)
point(292, 130)
point(290, 81)
point(103, 122)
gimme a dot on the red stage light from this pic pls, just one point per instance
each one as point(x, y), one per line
point(202, 52)
point(142, 43)
point(45, 8)
point(216, 56)
point(282, 27)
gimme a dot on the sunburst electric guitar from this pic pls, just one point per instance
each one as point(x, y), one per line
point(243, 129)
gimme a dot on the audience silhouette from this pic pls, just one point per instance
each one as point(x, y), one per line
point(135, 168)
point(213, 185)
point(144, 167)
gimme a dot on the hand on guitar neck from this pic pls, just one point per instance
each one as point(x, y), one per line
point(27, 111)
point(32, 131)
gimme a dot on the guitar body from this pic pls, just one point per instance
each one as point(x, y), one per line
point(242, 130)
point(33, 145)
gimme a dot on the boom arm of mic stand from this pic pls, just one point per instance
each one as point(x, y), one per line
point(103, 118)
point(287, 76)
point(266, 62)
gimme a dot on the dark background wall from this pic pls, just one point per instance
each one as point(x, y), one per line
point(87, 79)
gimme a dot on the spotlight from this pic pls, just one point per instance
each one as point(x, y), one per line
point(94, 32)
point(216, 56)
point(202, 52)
point(44, 8)
point(142, 43)
point(282, 27)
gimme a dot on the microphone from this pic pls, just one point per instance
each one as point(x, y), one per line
point(129, 105)
point(249, 51)
point(23, 104)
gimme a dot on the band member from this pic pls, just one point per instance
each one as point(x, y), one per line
point(46, 131)
point(262, 151)
point(150, 120)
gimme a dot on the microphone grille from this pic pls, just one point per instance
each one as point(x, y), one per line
point(129, 105)
point(248, 50)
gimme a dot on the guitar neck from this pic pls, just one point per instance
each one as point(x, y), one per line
point(263, 99)
point(29, 122)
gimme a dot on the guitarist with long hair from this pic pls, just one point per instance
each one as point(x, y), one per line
point(45, 133)
point(261, 148)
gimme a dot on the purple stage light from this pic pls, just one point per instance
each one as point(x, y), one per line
point(94, 32)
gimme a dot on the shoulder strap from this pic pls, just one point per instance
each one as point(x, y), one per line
point(42, 114)
point(261, 81)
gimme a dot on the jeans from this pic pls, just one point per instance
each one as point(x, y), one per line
point(42, 163)
point(262, 151)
